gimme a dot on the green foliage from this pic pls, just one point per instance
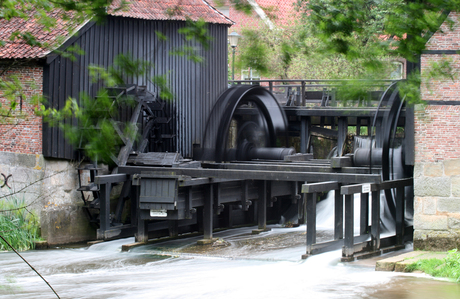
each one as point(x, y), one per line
point(410, 88)
point(161, 81)
point(71, 52)
point(192, 32)
point(350, 39)
point(449, 267)
point(18, 225)
point(13, 91)
point(255, 53)
point(190, 52)
point(95, 131)
point(88, 123)
point(197, 31)
point(74, 12)
point(161, 36)
point(240, 5)
point(371, 28)
point(294, 53)
point(124, 67)
point(396, 27)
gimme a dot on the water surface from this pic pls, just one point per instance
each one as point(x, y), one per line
point(263, 266)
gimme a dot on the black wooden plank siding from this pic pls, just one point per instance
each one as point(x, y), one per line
point(196, 87)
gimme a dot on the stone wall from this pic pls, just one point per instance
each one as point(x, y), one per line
point(437, 151)
point(48, 187)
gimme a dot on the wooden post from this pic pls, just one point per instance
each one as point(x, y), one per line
point(348, 248)
point(301, 211)
point(188, 203)
point(399, 215)
point(261, 207)
point(364, 214)
point(338, 215)
point(134, 197)
point(173, 228)
point(342, 135)
point(229, 215)
point(358, 126)
point(311, 220)
point(303, 94)
point(105, 210)
point(304, 134)
point(142, 232)
point(208, 212)
point(375, 228)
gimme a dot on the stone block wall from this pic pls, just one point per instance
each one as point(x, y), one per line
point(48, 187)
point(437, 151)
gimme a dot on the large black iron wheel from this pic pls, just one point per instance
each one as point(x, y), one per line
point(259, 122)
point(393, 103)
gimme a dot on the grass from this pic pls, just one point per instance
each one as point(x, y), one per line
point(449, 267)
point(18, 225)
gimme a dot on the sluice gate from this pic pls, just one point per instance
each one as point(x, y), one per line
point(245, 173)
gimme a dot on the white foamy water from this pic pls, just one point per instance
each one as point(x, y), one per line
point(103, 271)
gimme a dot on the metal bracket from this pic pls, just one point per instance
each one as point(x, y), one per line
point(5, 180)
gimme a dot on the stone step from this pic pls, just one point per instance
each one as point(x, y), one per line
point(399, 263)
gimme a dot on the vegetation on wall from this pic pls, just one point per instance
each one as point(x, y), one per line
point(19, 226)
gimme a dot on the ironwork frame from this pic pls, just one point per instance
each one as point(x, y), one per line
point(369, 241)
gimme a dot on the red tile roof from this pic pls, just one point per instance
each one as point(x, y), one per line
point(281, 13)
point(18, 48)
point(177, 10)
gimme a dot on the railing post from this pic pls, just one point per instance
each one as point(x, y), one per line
point(364, 211)
point(270, 86)
point(303, 94)
point(261, 207)
point(297, 95)
point(375, 228)
point(208, 212)
point(399, 215)
point(348, 248)
point(104, 215)
point(338, 215)
point(311, 220)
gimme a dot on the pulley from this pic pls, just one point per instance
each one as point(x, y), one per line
point(259, 120)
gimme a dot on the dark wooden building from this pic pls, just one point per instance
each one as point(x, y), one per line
point(135, 32)
point(139, 31)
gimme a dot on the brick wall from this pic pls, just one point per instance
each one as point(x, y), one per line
point(445, 38)
point(23, 135)
point(437, 151)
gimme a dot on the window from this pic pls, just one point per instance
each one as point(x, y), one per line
point(397, 70)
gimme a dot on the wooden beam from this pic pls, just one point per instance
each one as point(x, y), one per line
point(347, 178)
point(320, 187)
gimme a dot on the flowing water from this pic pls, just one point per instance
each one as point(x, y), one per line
point(246, 266)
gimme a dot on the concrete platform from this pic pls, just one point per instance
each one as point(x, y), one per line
point(400, 262)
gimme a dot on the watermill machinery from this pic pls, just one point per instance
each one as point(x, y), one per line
point(246, 170)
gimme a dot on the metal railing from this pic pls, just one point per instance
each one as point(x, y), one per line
point(369, 240)
point(295, 92)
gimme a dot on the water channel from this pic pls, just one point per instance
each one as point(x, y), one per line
point(244, 266)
